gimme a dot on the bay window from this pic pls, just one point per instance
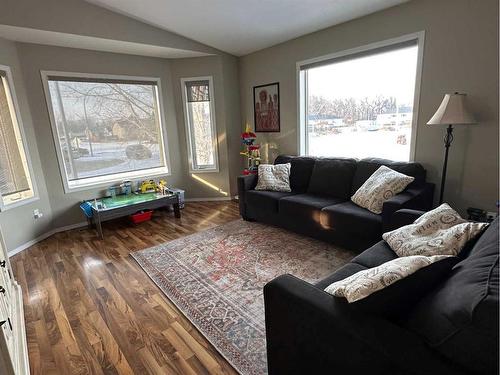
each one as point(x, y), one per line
point(16, 184)
point(201, 131)
point(106, 128)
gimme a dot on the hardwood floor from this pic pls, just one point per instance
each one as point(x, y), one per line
point(90, 309)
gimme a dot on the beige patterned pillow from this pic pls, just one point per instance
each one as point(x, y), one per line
point(382, 185)
point(438, 232)
point(366, 282)
point(274, 177)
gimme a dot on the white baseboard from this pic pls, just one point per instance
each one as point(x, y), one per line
point(44, 236)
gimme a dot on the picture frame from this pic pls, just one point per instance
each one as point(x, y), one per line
point(266, 108)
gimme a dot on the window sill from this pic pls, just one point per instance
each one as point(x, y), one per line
point(216, 170)
point(97, 182)
point(18, 203)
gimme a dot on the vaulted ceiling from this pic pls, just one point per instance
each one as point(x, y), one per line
point(240, 27)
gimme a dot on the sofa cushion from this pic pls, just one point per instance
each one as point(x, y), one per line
point(366, 167)
point(460, 317)
point(265, 201)
point(350, 218)
point(300, 173)
point(440, 231)
point(375, 280)
point(397, 299)
point(381, 186)
point(375, 255)
point(306, 206)
point(332, 176)
point(343, 272)
point(274, 177)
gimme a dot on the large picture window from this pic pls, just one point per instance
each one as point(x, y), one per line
point(200, 123)
point(360, 104)
point(16, 184)
point(106, 128)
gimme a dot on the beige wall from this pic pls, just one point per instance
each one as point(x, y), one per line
point(207, 184)
point(461, 54)
point(18, 224)
point(35, 58)
point(79, 17)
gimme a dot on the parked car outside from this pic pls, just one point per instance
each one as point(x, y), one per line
point(138, 152)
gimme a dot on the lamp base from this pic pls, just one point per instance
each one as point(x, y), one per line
point(448, 139)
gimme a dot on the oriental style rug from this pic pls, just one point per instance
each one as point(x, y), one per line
point(216, 278)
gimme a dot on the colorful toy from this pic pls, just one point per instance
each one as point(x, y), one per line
point(161, 187)
point(251, 151)
point(126, 187)
point(148, 186)
point(113, 191)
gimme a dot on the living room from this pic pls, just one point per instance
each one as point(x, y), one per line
point(189, 188)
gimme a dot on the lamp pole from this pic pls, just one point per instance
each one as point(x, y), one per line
point(451, 111)
point(448, 138)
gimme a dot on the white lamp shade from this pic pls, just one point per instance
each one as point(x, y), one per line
point(452, 111)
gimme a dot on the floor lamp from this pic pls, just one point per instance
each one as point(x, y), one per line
point(452, 111)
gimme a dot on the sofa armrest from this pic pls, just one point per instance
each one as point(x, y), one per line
point(245, 183)
point(310, 331)
point(418, 198)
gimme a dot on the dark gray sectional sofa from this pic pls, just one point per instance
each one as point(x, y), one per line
point(319, 204)
point(448, 326)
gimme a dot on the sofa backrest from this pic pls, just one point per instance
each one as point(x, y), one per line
point(460, 318)
point(300, 174)
point(366, 167)
point(349, 174)
point(333, 177)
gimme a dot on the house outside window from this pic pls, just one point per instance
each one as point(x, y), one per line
point(16, 177)
point(106, 128)
point(361, 103)
point(199, 115)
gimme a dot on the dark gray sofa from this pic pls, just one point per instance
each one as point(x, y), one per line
point(452, 328)
point(319, 204)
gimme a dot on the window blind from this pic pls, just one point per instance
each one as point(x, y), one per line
point(356, 55)
point(197, 91)
point(62, 78)
point(13, 178)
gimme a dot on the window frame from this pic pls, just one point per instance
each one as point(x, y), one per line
point(18, 122)
point(187, 126)
point(101, 181)
point(302, 94)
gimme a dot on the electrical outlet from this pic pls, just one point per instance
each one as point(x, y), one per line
point(37, 214)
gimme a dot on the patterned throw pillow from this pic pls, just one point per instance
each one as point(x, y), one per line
point(438, 232)
point(382, 185)
point(274, 177)
point(366, 282)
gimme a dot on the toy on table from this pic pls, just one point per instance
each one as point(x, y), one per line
point(126, 187)
point(113, 191)
point(148, 186)
point(161, 187)
point(251, 151)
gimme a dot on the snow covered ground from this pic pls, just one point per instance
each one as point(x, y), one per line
point(110, 157)
point(362, 144)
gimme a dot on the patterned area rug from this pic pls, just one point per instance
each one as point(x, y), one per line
point(216, 278)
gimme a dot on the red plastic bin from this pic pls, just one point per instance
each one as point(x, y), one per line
point(141, 216)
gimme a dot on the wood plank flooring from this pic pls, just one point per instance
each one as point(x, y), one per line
point(90, 309)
